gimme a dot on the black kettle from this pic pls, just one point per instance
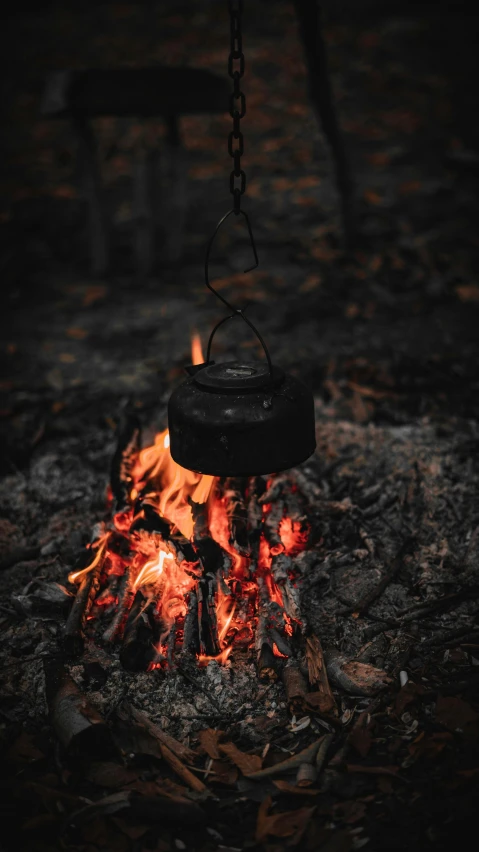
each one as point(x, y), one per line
point(240, 418)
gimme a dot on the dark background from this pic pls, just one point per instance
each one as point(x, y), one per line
point(400, 310)
point(385, 334)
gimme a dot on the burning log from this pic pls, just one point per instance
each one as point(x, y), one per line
point(126, 454)
point(126, 597)
point(77, 724)
point(274, 490)
point(200, 520)
point(208, 628)
point(271, 523)
point(269, 632)
point(281, 568)
point(73, 635)
point(150, 521)
point(137, 648)
point(307, 486)
point(237, 516)
point(213, 557)
point(256, 488)
point(191, 636)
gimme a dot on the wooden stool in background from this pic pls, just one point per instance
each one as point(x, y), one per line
point(141, 93)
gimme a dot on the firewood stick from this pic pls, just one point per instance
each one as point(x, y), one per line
point(306, 756)
point(310, 489)
point(236, 512)
point(190, 629)
point(137, 647)
point(363, 605)
point(274, 490)
point(182, 771)
point(77, 724)
point(256, 487)
point(126, 453)
point(306, 775)
point(170, 653)
point(295, 686)
point(323, 751)
point(73, 636)
point(126, 596)
point(208, 628)
point(200, 520)
point(183, 752)
point(271, 524)
point(281, 566)
point(317, 670)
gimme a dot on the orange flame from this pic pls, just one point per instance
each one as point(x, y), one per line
point(197, 356)
point(172, 485)
point(77, 576)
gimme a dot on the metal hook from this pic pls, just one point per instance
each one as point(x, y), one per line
point(236, 311)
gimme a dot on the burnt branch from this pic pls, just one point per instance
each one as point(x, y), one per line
point(123, 461)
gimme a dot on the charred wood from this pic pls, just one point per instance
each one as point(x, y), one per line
point(281, 568)
point(274, 490)
point(237, 516)
point(137, 648)
point(150, 521)
point(317, 674)
point(295, 687)
point(363, 605)
point(208, 628)
point(256, 488)
point(213, 557)
point(77, 724)
point(200, 520)
point(355, 678)
point(191, 636)
point(271, 523)
point(126, 597)
point(125, 456)
point(131, 713)
point(73, 633)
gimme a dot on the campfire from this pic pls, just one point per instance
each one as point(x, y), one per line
point(191, 565)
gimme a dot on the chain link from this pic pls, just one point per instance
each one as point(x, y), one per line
point(237, 105)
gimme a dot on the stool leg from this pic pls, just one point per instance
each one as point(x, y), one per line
point(92, 188)
point(308, 13)
point(143, 215)
point(177, 180)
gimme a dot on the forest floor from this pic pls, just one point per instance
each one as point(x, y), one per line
point(385, 335)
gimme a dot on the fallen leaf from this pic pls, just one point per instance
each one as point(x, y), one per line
point(286, 787)
point(24, 749)
point(110, 775)
point(361, 739)
point(245, 762)
point(288, 824)
point(320, 702)
point(209, 739)
point(224, 773)
point(457, 715)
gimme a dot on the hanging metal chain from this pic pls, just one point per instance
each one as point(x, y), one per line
point(237, 102)
point(237, 112)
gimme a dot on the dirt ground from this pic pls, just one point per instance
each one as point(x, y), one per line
point(386, 337)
